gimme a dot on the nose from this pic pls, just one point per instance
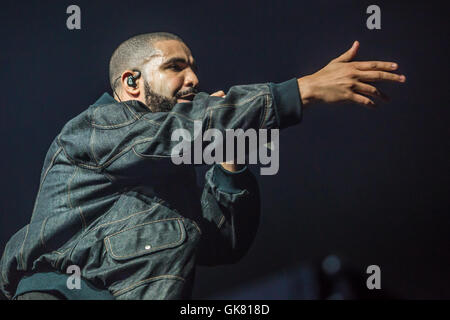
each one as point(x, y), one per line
point(190, 78)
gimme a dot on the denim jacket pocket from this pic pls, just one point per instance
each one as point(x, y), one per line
point(145, 238)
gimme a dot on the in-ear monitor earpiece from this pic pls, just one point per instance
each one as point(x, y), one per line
point(132, 79)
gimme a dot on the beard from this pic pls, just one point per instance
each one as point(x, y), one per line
point(160, 103)
point(157, 102)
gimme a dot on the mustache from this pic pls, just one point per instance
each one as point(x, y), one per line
point(192, 90)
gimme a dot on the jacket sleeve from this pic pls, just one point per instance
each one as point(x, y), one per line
point(231, 211)
point(117, 148)
point(257, 106)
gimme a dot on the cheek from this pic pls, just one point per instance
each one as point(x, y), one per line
point(160, 84)
point(165, 84)
point(173, 85)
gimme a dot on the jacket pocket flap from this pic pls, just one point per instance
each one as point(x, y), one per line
point(145, 238)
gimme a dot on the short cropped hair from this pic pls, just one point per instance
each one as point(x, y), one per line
point(132, 53)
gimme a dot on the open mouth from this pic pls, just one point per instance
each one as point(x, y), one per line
point(188, 97)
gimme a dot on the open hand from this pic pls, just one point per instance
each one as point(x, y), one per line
point(344, 81)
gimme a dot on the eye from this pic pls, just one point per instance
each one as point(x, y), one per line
point(175, 67)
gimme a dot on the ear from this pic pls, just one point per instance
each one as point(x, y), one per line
point(127, 89)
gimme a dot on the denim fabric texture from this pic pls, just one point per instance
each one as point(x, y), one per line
point(111, 201)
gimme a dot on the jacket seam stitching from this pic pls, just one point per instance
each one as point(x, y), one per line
point(57, 152)
point(83, 221)
point(60, 255)
point(196, 226)
point(152, 121)
point(240, 116)
point(123, 151)
point(108, 176)
point(86, 232)
point(215, 107)
point(68, 186)
point(134, 115)
point(113, 126)
point(209, 119)
point(117, 156)
point(132, 112)
point(222, 220)
point(266, 112)
point(180, 115)
point(21, 248)
point(62, 252)
point(91, 143)
point(242, 192)
point(237, 104)
point(212, 108)
point(180, 240)
point(275, 107)
point(145, 156)
point(42, 232)
point(120, 220)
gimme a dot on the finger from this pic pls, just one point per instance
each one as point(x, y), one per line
point(376, 65)
point(362, 100)
point(380, 76)
point(369, 90)
point(348, 55)
point(219, 94)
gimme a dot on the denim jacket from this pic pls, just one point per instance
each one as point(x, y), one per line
point(112, 202)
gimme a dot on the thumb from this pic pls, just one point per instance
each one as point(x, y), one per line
point(348, 55)
point(219, 94)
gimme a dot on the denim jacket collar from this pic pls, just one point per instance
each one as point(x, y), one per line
point(106, 98)
point(137, 106)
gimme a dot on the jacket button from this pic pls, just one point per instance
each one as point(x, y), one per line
point(147, 247)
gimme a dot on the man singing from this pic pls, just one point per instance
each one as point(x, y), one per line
point(113, 205)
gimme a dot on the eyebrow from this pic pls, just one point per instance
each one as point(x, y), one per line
point(179, 60)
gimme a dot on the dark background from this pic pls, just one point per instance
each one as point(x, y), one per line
point(370, 186)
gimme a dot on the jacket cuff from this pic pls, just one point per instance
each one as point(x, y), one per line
point(287, 103)
point(230, 182)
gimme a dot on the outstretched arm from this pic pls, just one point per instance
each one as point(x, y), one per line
point(342, 80)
